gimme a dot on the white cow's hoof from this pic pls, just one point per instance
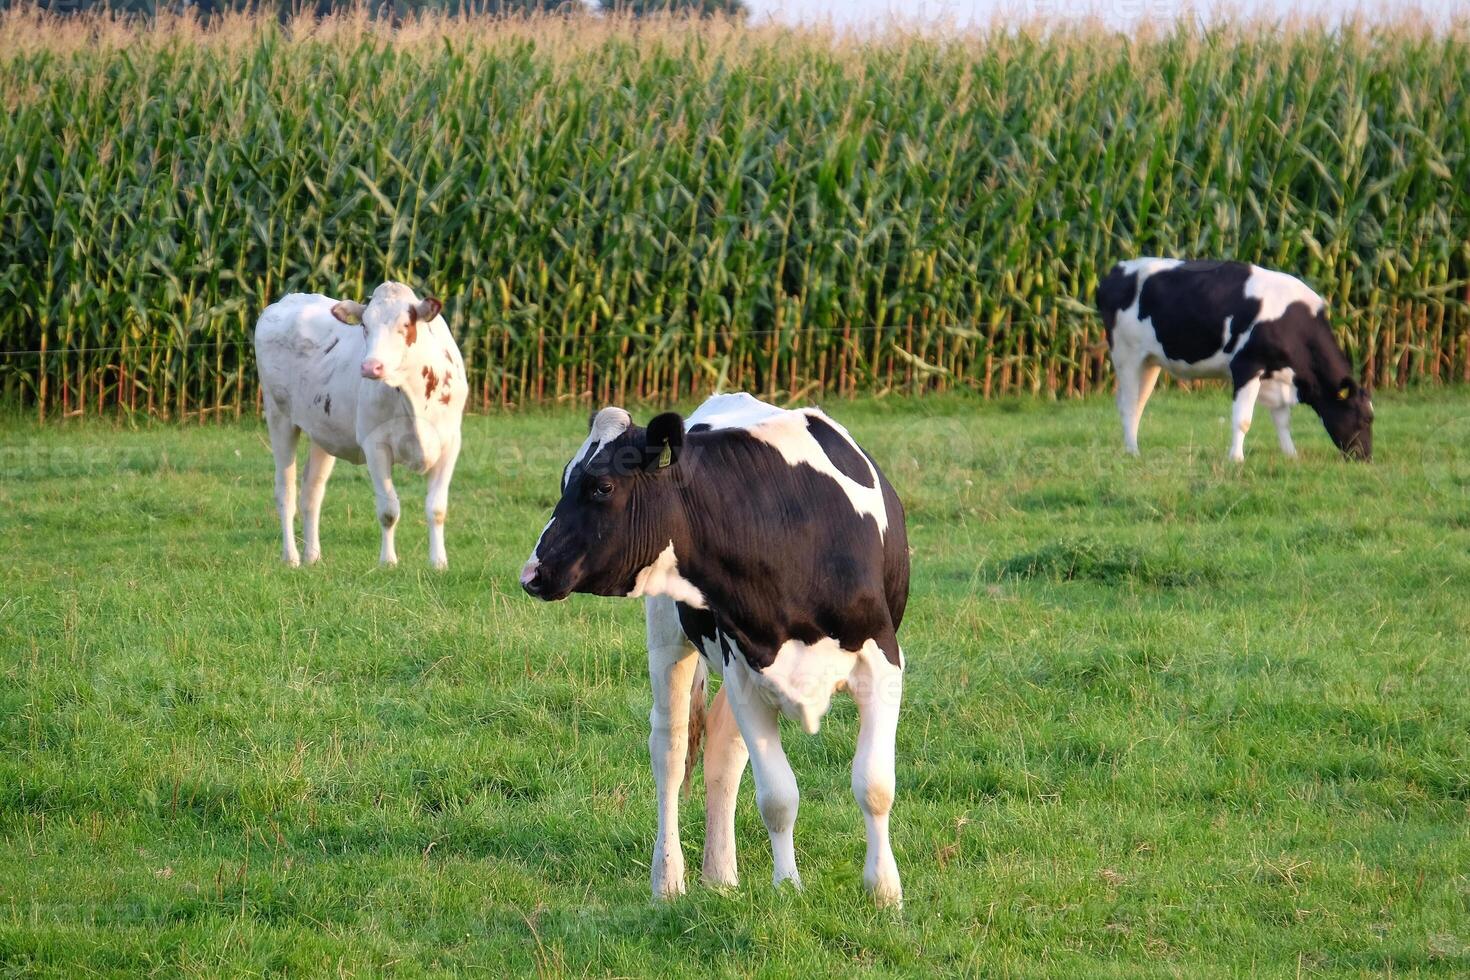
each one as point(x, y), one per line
point(670, 883)
point(792, 881)
point(719, 878)
point(292, 561)
point(442, 565)
point(312, 559)
point(886, 891)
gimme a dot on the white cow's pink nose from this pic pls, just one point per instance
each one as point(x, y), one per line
point(372, 368)
point(528, 570)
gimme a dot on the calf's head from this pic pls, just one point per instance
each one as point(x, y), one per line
point(1347, 414)
point(619, 508)
point(390, 323)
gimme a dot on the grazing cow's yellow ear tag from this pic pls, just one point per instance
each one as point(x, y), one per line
point(1343, 393)
point(666, 457)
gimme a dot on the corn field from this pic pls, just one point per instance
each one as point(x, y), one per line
point(621, 211)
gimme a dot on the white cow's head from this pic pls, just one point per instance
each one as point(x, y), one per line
point(390, 324)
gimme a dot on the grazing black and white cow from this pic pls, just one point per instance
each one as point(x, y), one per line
point(767, 542)
point(1265, 331)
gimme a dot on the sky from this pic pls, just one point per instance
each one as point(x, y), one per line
point(862, 14)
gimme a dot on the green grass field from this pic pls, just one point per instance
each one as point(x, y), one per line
point(1163, 716)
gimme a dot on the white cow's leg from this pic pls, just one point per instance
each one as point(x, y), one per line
point(1240, 417)
point(775, 785)
point(1129, 369)
point(284, 434)
point(877, 686)
point(436, 503)
point(671, 666)
point(724, 763)
point(380, 468)
point(319, 465)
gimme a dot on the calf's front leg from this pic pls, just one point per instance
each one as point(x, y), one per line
point(776, 792)
point(671, 666)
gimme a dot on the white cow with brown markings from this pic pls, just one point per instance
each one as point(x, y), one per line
point(382, 384)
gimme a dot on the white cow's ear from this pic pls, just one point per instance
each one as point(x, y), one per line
point(427, 309)
point(348, 312)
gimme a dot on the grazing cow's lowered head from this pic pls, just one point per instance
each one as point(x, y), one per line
point(618, 510)
point(1347, 414)
point(390, 326)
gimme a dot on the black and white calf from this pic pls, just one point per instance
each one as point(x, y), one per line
point(1265, 331)
point(767, 543)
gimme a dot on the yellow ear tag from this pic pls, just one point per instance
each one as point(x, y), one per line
point(666, 457)
point(1343, 393)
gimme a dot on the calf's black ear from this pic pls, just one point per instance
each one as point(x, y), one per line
point(665, 438)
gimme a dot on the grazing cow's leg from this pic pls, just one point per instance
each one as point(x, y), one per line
point(380, 468)
point(436, 503)
point(1132, 392)
point(775, 785)
point(1281, 415)
point(319, 465)
point(1240, 416)
point(1276, 396)
point(671, 664)
point(877, 686)
point(284, 434)
point(724, 763)
point(1148, 376)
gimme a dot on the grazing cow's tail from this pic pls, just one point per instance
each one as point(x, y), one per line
point(696, 721)
point(1116, 292)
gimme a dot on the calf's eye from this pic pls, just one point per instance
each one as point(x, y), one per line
point(603, 490)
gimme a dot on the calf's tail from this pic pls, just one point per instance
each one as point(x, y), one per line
point(696, 721)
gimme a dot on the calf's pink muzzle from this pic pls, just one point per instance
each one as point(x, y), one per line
point(372, 368)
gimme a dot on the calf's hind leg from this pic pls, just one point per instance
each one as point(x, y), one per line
point(284, 434)
point(724, 763)
point(877, 687)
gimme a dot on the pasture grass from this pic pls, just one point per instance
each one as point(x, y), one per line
point(1165, 716)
